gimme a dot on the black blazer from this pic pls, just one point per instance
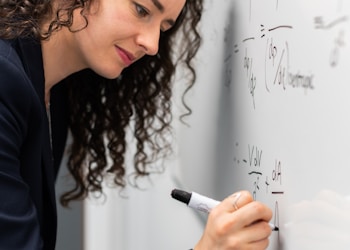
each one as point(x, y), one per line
point(28, 217)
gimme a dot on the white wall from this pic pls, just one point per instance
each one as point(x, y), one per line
point(69, 231)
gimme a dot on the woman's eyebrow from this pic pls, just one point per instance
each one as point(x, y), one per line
point(159, 6)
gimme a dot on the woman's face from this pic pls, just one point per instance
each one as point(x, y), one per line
point(119, 32)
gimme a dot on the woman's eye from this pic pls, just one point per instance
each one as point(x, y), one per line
point(141, 11)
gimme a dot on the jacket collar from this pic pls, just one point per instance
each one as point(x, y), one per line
point(29, 50)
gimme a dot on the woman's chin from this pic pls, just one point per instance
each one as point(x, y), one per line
point(111, 73)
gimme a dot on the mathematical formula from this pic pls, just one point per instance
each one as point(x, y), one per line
point(263, 58)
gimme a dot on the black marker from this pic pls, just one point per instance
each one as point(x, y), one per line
point(200, 202)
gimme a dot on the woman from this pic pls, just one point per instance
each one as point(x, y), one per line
point(114, 62)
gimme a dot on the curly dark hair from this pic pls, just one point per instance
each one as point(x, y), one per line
point(102, 110)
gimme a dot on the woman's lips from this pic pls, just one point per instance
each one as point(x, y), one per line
point(126, 57)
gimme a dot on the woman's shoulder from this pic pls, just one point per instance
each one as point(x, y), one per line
point(11, 67)
point(14, 82)
point(8, 51)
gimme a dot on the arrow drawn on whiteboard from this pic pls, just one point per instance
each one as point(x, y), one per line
point(263, 30)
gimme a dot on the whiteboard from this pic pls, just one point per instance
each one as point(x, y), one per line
point(272, 115)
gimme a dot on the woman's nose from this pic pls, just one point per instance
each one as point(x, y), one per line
point(148, 39)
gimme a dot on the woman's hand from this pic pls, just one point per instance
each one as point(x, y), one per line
point(238, 222)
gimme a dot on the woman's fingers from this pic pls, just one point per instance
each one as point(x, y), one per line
point(257, 232)
point(235, 201)
point(238, 222)
point(251, 213)
point(239, 210)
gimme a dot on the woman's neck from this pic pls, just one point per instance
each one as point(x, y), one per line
point(60, 58)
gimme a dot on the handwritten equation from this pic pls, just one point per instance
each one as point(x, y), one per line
point(275, 64)
point(267, 58)
point(268, 181)
point(252, 163)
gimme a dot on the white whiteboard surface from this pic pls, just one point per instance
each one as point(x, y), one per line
point(272, 115)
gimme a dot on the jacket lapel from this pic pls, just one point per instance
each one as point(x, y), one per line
point(31, 55)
